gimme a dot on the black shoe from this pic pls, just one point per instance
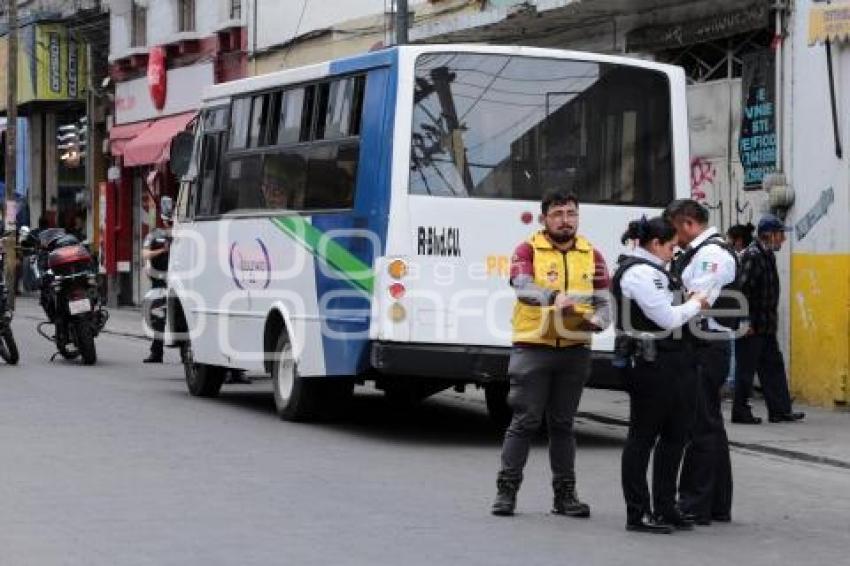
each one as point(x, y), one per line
point(746, 419)
point(721, 517)
point(505, 502)
point(787, 418)
point(566, 501)
point(700, 520)
point(644, 525)
point(675, 519)
point(152, 359)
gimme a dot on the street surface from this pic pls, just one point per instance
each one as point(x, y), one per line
point(116, 465)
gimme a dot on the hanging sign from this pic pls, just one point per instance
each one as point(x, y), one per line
point(157, 77)
point(757, 142)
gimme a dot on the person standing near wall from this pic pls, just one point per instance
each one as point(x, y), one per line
point(758, 350)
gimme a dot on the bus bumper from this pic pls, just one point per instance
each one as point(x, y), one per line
point(475, 364)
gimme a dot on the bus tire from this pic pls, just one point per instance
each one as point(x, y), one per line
point(296, 398)
point(498, 408)
point(202, 380)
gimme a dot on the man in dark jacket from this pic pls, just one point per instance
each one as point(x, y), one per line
point(759, 350)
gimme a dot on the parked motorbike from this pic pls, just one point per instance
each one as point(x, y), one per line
point(8, 346)
point(66, 274)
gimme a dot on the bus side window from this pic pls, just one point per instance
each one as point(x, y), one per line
point(207, 186)
point(331, 176)
point(284, 179)
point(241, 190)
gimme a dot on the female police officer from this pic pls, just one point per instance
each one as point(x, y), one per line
point(658, 375)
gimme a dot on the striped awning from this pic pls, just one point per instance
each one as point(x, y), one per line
point(829, 22)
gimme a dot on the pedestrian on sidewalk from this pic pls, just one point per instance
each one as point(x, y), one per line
point(561, 283)
point(155, 252)
point(739, 237)
point(658, 373)
point(758, 350)
point(710, 267)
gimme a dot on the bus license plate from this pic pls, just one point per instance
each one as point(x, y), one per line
point(79, 306)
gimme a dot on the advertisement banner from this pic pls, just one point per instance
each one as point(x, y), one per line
point(52, 65)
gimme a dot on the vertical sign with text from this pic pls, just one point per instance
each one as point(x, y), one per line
point(757, 142)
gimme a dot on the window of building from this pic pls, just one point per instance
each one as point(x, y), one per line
point(186, 15)
point(235, 9)
point(138, 25)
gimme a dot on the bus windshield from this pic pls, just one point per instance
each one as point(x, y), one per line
point(514, 127)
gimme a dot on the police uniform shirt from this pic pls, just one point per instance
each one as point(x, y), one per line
point(650, 289)
point(711, 269)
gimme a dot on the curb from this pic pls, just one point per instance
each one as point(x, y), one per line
point(760, 448)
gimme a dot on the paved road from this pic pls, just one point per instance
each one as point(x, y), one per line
point(116, 465)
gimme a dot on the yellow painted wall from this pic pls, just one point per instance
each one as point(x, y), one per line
point(820, 328)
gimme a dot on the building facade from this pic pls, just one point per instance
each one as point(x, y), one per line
point(162, 54)
point(760, 115)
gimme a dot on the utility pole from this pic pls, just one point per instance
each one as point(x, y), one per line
point(11, 148)
point(401, 23)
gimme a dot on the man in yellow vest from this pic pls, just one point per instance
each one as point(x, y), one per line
point(561, 283)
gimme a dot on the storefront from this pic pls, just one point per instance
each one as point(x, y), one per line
point(150, 112)
point(52, 77)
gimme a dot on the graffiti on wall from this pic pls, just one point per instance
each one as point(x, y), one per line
point(815, 214)
point(703, 174)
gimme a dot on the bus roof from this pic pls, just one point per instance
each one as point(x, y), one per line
point(389, 57)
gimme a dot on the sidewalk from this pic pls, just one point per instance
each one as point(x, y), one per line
point(823, 437)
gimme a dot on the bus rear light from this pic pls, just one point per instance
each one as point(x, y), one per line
point(397, 291)
point(397, 313)
point(397, 269)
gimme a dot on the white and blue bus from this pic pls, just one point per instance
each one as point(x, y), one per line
point(353, 221)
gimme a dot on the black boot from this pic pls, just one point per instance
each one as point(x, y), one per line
point(566, 500)
point(505, 502)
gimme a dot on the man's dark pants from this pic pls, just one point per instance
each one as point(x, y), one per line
point(705, 487)
point(157, 324)
point(662, 397)
point(760, 353)
point(544, 381)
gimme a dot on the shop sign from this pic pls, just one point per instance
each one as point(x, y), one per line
point(671, 36)
point(829, 22)
point(52, 65)
point(157, 77)
point(757, 141)
point(133, 101)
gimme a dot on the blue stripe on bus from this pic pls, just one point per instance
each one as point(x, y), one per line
point(346, 311)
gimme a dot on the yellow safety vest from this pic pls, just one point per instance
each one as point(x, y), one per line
point(570, 272)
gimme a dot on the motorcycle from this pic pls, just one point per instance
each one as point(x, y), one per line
point(8, 346)
point(66, 274)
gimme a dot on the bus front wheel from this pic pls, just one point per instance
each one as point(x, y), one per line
point(296, 398)
point(202, 380)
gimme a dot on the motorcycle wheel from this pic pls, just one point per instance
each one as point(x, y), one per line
point(85, 343)
point(8, 347)
point(62, 345)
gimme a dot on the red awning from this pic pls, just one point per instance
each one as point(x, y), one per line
point(152, 145)
point(120, 136)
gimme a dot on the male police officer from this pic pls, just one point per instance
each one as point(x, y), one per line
point(156, 249)
point(560, 282)
point(709, 267)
